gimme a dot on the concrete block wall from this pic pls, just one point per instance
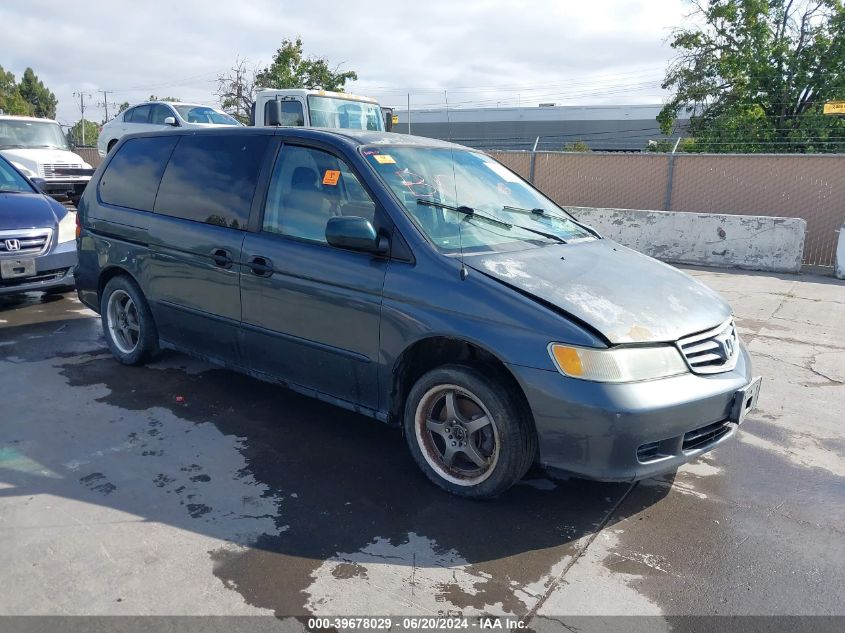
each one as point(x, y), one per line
point(706, 239)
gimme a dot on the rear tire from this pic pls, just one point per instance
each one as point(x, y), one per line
point(127, 322)
point(467, 433)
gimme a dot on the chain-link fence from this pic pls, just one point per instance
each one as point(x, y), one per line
point(805, 186)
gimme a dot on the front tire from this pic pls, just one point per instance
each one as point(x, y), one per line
point(467, 434)
point(127, 322)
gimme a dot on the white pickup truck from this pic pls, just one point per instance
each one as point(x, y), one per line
point(39, 149)
point(319, 108)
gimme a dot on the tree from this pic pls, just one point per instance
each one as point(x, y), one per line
point(754, 75)
point(38, 95)
point(155, 98)
point(92, 132)
point(123, 106)
point(236, 89)
point(11, 101)
point(290, 68)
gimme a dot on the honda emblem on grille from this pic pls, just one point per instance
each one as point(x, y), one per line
point(13, 245)
point(726, 346)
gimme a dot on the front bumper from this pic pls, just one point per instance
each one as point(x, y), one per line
point(72, 189)
point(625, 432)
point(53, 270)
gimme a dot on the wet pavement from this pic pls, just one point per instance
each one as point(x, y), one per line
point(179, 488)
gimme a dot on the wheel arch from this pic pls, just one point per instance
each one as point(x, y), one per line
point(109, 273)
point(430, 352)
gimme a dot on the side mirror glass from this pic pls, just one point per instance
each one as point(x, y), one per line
point(355, 234)
point(170, 120)
point(273, 113)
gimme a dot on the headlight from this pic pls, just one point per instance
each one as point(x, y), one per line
point(621, 364)
point(67, 227)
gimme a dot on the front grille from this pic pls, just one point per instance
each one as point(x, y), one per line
point(51, 170)
point(25, 242)
point(705, 435)
point(713, 351)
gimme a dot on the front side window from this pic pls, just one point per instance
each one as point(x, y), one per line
point(159, 114)
point(437, 186)
point(134, 173)
point(24, 134)
point(334, 112)
point(11, 180)
point(212, 179)
point(308, 187)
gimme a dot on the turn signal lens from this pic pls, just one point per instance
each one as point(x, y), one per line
point(619, 364)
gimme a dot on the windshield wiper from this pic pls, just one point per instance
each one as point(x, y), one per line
point(470, 212)
point(11, 146)
point(545, 214)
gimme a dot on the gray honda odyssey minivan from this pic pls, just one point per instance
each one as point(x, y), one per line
point(418, 282)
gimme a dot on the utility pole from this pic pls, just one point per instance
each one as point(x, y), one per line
point(82, 96)
point(105, 102)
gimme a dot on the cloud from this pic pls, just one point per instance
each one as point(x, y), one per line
point(481, 52)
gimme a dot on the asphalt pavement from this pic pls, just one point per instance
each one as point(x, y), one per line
point(183, 489)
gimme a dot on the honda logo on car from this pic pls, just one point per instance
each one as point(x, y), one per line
point(13, 245)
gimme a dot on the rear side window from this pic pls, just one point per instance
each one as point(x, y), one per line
point(212, 179)
point(132, 176)
point(141, 114)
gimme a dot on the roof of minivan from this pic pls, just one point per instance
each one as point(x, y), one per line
point(351, 137)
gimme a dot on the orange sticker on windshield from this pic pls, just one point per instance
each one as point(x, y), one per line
point(384, 159)
point(331, 177)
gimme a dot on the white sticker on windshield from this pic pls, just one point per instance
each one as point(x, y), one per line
point(502, 171)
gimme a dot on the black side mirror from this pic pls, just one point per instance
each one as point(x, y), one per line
point(39, 183)
point(273, 113)
point(355, 234)
point(387, 113)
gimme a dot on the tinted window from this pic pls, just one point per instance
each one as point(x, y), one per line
point(308, 187)
point(159, 113)
point(133, 174)
point(212, 179)
point(141, 114)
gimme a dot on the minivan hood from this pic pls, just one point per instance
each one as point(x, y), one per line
point(624, 295)
point(25, 211)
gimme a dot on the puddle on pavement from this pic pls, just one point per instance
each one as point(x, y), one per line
point(354, 499)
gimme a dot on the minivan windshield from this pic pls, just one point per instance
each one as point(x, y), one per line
point(344, 113)
point(465, 200)
point(28, 134)
point(11, 181)
point(204, 114)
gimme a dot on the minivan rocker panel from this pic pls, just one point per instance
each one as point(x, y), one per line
point(494, 339)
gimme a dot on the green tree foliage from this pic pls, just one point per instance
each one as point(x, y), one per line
point(754, 76)
point(290, 68)
point(38, 95)
point(155, 98)
point(11, 101)
point(92, 132)
point(123, 106)
point(577, 146)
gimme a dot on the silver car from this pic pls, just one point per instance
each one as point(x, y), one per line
point(160, 115)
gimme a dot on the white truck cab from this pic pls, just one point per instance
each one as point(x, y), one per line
point(317, 108)
point(39, 149)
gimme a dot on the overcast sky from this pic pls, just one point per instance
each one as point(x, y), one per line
point(484, 53)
